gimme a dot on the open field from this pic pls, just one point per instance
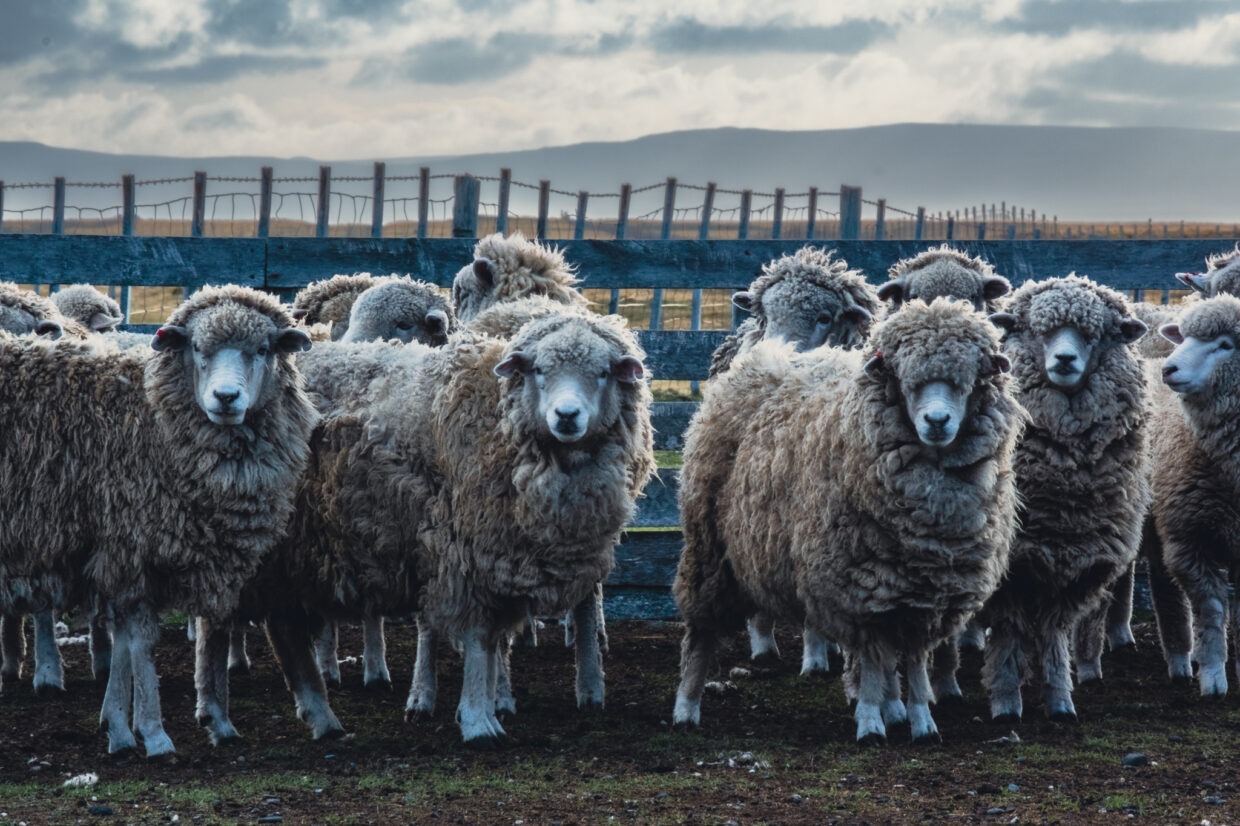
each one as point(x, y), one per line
point(775, 748)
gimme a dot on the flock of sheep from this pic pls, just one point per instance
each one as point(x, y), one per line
point(893, 470)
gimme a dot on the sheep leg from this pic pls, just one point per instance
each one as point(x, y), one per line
point(1057, 674)
point(697, 656)
point(374, 654)
point(1119, 612)
point(762, 647)
point(600, 619)
point(290, 636)
point(943, 678)
point(49, 669)
point(1211, 622)
point(191, 629)
point(1089, 634)
point(1004, 673)
point(591, 689)
point(475, 713)
point(100, 645)
point(973, 636)
point(238, 657)
point(851, 677)
point(326, 645)
point(815, 652)
point(871, 695)
point(118, 696)
point(919, 698)
point(1172, 611)
point(894, 712)
point(12, 649)
point(211, 670)
point(504, 701)
point(422, 691)
point(148, 719)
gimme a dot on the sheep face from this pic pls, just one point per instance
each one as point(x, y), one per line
point(569, 379)
point(402, 310)
point(1222, 275)
point(808, 316)
point(231, 367)
point(473, 288)
point(19, 322)
point(936, 410)
point(1195, 362)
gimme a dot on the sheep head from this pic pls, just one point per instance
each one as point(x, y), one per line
point(26, 313)
point(942, 272)
point(506, 269)
point(402, 309)
point(570, 373)
point(1222, 275)
point(1203, 362)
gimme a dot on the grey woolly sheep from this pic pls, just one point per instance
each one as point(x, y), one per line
point(950, 273)
point(23, 312)
point(1082, 477)
point(506, 269)
point(873, 503)
point(195, 449)
point(87, 306)
point(1222, 275)
point(330, 301)
point(403, 309)
point(1196, 478)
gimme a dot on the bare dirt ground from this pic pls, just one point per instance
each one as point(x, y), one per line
point(773, 748)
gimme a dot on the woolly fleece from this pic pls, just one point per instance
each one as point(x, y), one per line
point(519, 268)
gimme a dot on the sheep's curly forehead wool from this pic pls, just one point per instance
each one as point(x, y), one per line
point(940, 255)
point(82, 301)
point(14, 300)
point(810, 267)
point(943, 271)
point(524, 264)
point(1045, 306)
point(330, 300)
point(404, 296)
point(230, 314)
point(934, 342)
point(1212, 318)
point(576, 339)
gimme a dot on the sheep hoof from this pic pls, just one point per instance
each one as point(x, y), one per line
point(417, 715)
point(685, 726)
point(930, 738)
point(873, 739)
point(239, 670)
point(949, 700)
point(1068, 717)
point(378, 684)
point(1007, 718)
point(1182, 680)
point(590, 706)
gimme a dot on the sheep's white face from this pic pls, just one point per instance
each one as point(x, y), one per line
point(1066, 357)
point(936, 410)
point(230, 379)
point(1192, 364)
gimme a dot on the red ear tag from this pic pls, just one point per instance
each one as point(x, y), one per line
point(878, 354)
point(161, 333)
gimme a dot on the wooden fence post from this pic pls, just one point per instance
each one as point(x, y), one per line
point(951, 227)
point(777, 222)
point(708, 209)
point(127, 204)
point(811, 208)
point(376, 203)
point(501, 212)
point(198, 218)
point(880, 222)
point(579, 231)
point(325, 205)
point(544, 203)
point(850, 212)
point(920, 227)
point(58, 206)
point(1011, 232)
point(981, 230)
point(695, 323)
point(622, 217)
point(264, 202)
point(742, 230)
point(465, 189)
point(669, 210)
point(424, 200)
point(1, 206)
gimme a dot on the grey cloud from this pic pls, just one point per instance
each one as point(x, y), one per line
point(693, 36)
point(1132, 75)
point(224, 67)
point(30, 29)
point(249, 21)
point(1069, 106)
point(1059, 18)
point(216, 120)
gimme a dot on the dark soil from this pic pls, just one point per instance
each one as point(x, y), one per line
point(776, 748)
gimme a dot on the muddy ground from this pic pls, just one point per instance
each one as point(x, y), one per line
point(776, 748)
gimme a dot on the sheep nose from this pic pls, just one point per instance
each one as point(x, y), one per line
point(567, 412)
point(937, 420)
point(1065, 358)
point(1169, 370)
point(227, 395)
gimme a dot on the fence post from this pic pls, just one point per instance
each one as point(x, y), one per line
point(1, 206)
point(424, 200)
point(465, 206)
point(742, 230)
point(669, 209)
point(881, 221)
point(951, 227)
point(656, 309)
point(920, 228)
point(501, 212)
point(708, 208)
point(127, 204)
point(695, 323)
point(579, 231)
point(1011, 232)
point(544, 202)
point(376, 203)
point(622, 219)
point(777, 220)
point(198, 218)
point(264, 202)
point(981, 230)
point(850, 212)
point(325, 197)
point(811, 220)
point(58, 206)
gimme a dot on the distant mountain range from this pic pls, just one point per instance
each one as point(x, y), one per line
point(1077, 173)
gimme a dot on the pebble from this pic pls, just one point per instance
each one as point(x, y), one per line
point(100, 810)
point(1214, 799)
point(1135, 758)
point(796, 798)
point(994, 810)
point(1012, 787)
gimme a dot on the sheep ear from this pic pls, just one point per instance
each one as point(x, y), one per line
point(300, 313)
point(516, 362)
point(628, 370)
point(1004, 321)
point(170, 337)
point(103, 321)
point(1171, 332)
point(292, 340)
point(49, 328)
point(892, 291)
point(436, 322)
point(1132, 329)
point(874, 367)
point(743, 300)
point(484, 271)
point(995, 286)
point(999, 363)
point(1195, 281)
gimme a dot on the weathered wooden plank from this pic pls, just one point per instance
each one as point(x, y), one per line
point(544, 204)
point(708, 208)
point(264, 202)
point(880, 222)
point(657, 507)
point(921, 224)
point(424, 200)
point(128, 210)
point(135, 260)
point(811, 213)
point(465, 195)
point(58, 206)
point(679, 355)
point(639, 603)
point(777, 221)
point(376, 200)
point(850, 212)
point(646, 559)
point(198, 216)
point(324, 206)
point(742, 228)
point(669, 209)
point(501, 210)
point(670, 420)
point(579, 225)
point(622, 216)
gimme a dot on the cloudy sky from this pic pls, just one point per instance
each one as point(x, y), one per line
point(386, 78)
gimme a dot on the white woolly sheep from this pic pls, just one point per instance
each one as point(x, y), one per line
point(195, 449)
point(1221, 277)
point(330, 301)
point(832, 494)
point(948, 273)
point(508, 269)
point(87, 306)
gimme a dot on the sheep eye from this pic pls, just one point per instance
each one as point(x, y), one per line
point(538, 371)
point(824, 320)
point(404, 325)
point(604, 374)
point(262, 351)
point(1225, 345)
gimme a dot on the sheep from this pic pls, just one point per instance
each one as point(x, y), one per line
point(195, 449)
point(871, 500)
point(943, 271)
point(330, 301)
point(1196, 476)
point(87, 306)
point(1082, 476)
point(1222, 275)
point(507, 269)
